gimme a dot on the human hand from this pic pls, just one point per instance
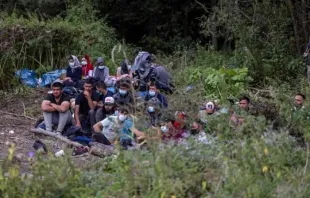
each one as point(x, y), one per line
point(86, 94)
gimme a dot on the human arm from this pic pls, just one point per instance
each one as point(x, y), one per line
point(97, 127)
point(92, 104)
point(46, 106)
point(76, 115)
point(61, 108)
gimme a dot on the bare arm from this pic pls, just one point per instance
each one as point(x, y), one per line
point(91, 104)
point(63, 107)
point(137, 132)
point(76, 115)
point(97, 127)
point(47, 107)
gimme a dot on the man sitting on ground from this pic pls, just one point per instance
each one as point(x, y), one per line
point(102, 89)
point(124, 95)
point(107, 109)
point(108, 130)
point(85, 104)
point(56, 109)
point(154, 92)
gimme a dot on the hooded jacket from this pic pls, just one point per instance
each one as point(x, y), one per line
point(75, 72)
point(103, 73)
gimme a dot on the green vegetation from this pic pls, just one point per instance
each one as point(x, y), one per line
point(244, 47)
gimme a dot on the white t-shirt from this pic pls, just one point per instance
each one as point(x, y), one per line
point(110, 128)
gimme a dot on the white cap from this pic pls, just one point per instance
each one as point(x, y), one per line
point(210, 105)
point(109, 100)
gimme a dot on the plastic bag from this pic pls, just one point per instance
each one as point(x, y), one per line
point(27, 77)
point(50, 77)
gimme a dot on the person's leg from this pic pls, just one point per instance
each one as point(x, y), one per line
point(92, 118)
point(64, 119)
point(48, 121)
point(99, 137)
point(99, 115)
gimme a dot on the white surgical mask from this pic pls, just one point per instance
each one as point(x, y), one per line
point(122, 92)
point(122, 117)
point(71, 64)
point(129, 67)
point(84, 62)
point(101, 67)
point(151, 109)
point(164, 129)
point(152, 93)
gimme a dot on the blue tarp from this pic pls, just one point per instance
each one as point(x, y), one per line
point(27, 77)
point(50, 77)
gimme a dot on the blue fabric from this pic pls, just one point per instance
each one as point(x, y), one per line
point(82, 139)
point(27, 77)
point(50, 77)
point(75, 74)
point(111, 89)
point(109, 94)
point(126, 133)
point(142, 93)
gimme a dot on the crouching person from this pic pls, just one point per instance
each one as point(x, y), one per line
point(113, 127)
point(56, 110)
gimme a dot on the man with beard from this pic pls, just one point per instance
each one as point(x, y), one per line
point(56, 109)
point(106, 110)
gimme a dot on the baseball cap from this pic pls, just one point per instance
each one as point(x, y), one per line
point(109, 100)
point(210, 105)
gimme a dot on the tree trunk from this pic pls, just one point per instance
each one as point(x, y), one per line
point(295, 25)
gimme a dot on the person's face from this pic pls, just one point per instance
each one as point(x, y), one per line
point(88, 87)
point(57, 92)
point(100, 90)
point(124, 88)
point(108, 107)
point(153, 88)
point(71, 61)
point(243, 104)
point(299, 101)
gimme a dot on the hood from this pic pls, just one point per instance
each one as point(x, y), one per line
point(99, 60)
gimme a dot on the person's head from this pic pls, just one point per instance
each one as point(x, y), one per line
point(88, 85)
point(166, 123)
point(210, 108)
point(195, 128)
point(57, 89)
point(71, 61)
point(153, 106)
point(125, 67)
point(124, 89)
point(299, 99)
point(83, 61)
point(101, 87)
point(123, 113)
point(109, 103)
point(153, 89)
point(100, 62)
point(244, 103)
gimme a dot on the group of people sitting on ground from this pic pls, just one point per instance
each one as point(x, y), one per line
point(105, 108)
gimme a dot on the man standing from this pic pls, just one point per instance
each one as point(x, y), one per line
point(56, 109)
point(85, 104)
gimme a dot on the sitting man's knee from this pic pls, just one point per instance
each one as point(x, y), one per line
point(92, 112)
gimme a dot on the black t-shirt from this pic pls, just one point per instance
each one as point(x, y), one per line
point(51, 97)
point(82, 101)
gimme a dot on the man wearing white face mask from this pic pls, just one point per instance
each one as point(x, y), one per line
point(124, 96)
point(154, 93)
point(101, 72)
point(153, 108)
point(114, 127)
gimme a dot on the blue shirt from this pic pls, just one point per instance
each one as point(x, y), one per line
point(109, 94)
point(160, 97)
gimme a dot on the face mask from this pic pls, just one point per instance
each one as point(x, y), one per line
point(101, 67)
point(151, 109)
point(122, 117)
point(116, 113)
point(129, 67)
point(71, 64)
point(84, 63)
point(122, 92)
point(164, 129)
point(152, 93)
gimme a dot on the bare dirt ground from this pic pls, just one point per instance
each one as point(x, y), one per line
point(18, 114)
